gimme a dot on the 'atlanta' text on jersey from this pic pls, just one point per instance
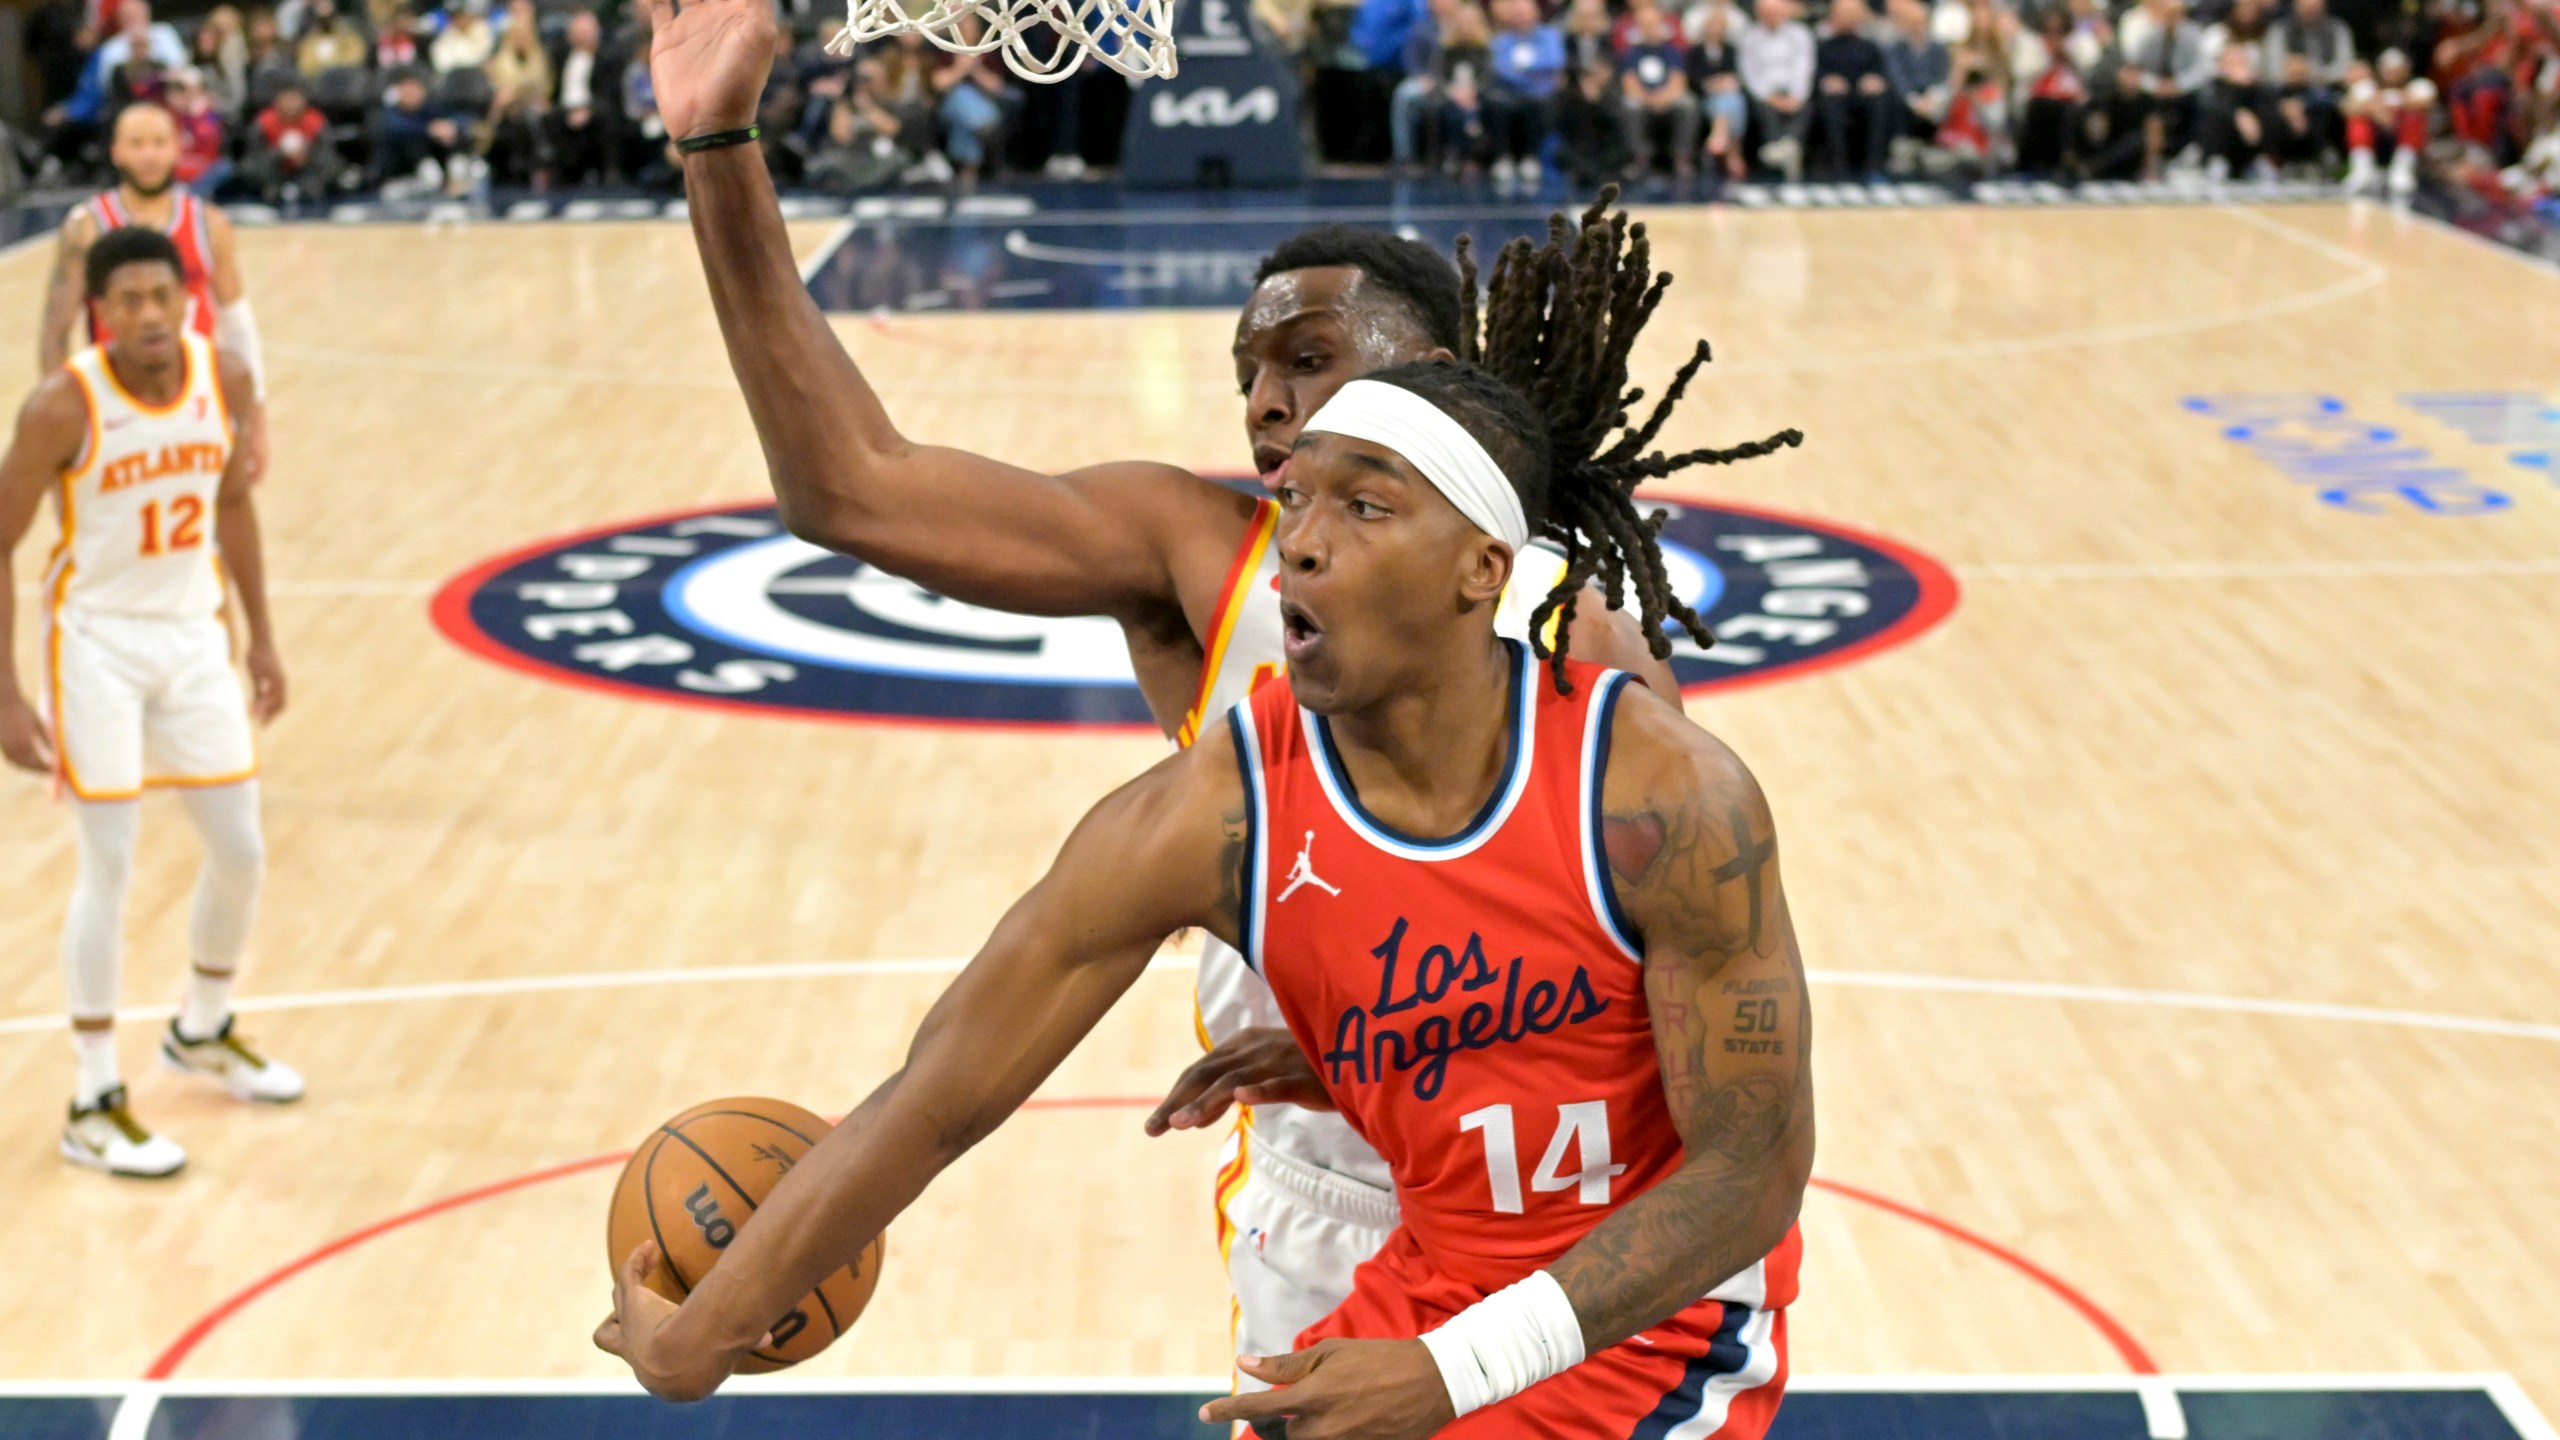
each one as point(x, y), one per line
point(1363, 1053)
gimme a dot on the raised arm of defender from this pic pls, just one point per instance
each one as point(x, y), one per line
point(1105, 540)
point(1164, 851)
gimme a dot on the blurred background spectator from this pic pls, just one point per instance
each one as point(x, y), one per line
point(328, 41)
point(1528, 65)
point(266, 40)
point(1465, 67)
point(1718, 86)
point(1591, 128)
point(292, 159)
point(204, 163)
point(1775, 58)
point(585, 108)
point(1589, 36)
point(1660, 114)
point(1854, 103)
point(221, 53)
point(513, 142)
point(413, 139)
point(2054, 98)
point(466, 41)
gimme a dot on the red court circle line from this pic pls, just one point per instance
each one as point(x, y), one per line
point(166, 1364)
point(2136, 1359)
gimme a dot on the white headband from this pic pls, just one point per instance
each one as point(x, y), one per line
point(1434, 444)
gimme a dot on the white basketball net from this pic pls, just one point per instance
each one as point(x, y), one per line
point(1134, 37)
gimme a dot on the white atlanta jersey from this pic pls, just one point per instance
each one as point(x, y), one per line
point(1244, 651)
point(138, 505)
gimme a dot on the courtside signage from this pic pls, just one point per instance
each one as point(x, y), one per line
point(725, 608)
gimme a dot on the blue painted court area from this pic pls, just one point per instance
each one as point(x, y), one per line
point(2351, 1408)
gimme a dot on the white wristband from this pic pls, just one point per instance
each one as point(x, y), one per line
point(235, 328)
point(1506, 1342)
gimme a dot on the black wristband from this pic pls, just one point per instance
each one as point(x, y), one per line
point(693, 144)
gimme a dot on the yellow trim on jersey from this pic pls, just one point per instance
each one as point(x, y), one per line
point(67, 562)
point(197, 782)
point(87, 460)
point(1231, 1178)
point(186, 380)
point(1247, 565)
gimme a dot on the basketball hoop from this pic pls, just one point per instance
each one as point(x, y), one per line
point(1134, 37)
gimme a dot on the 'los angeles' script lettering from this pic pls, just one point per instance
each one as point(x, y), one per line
point(1363, 1050)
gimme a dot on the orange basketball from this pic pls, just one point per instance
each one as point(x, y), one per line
point(696, 1179)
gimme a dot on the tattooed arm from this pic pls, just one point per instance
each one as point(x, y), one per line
point(1694, 857)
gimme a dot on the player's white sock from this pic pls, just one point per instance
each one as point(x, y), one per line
point(94, 1051)
point(235, 860)
point(93, 932)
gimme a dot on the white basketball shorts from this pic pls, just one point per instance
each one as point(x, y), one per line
point(138, 701)
point(1293, 1234)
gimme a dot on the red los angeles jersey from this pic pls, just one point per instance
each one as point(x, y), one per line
point(194, 239)
point(1475, 1004)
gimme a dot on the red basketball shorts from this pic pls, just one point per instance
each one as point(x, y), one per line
point(1716, 1369)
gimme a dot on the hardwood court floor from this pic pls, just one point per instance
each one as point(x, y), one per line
point(2190, 730)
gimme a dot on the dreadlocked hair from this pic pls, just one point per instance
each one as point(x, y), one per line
point(1555, 324)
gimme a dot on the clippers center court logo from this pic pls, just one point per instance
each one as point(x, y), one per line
point(725, 608)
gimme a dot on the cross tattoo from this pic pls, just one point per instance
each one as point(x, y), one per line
point(1749, 857)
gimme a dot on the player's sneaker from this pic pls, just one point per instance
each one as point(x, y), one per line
point(227, 1058)
point(105, 1136)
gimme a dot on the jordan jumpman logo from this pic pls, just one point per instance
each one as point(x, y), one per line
point(1304, 872)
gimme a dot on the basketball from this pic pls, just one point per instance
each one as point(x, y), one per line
point(696, 1179)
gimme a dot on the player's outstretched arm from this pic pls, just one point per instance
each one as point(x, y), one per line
point(1111, 540)
point(239, 542)
point(52, 427)
point(1694, 857)
point(1162, 852)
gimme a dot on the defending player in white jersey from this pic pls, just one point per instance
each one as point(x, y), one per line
point(136, 441)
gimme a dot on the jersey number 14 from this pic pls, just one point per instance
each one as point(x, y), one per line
point(1584, 1127)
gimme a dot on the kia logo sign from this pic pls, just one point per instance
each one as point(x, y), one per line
point(1210, 107)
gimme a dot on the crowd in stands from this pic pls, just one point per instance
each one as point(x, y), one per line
point(314, 98)
point(416, 97)
point(2069, 89)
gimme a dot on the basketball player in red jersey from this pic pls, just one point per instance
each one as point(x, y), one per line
point(145, 153)
point(1524, 919)
point(1184, 565)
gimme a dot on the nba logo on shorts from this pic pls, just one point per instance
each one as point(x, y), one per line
point(725, 608)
